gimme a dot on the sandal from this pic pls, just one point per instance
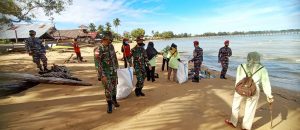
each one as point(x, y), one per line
point(229, 123)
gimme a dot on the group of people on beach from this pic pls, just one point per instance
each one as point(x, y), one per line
point(144, 62)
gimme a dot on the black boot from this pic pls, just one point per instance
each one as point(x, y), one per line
point(137, 92)
point(221, 76)
point(109, 106)
point(141, 93)
point(114, 101)
point(45, 69)
point(195, 79)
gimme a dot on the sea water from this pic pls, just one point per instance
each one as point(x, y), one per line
point(280, 54)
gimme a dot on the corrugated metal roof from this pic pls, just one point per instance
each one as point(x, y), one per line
point(23, 30)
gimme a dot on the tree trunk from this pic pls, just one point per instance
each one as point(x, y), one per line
point(13, 87)
point(38, 79)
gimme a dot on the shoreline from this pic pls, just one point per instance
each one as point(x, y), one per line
point(167, 105)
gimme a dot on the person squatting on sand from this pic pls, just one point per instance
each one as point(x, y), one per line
point(107, 69)
point(126, 53)
point(174, 59)
point(223, 58)
point(165, 58)
point(197, 59)
point(140, 62)
point(261, 77)
point(37, 50)
point(151, 53)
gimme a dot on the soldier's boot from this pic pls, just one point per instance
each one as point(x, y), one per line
point(46, 69)
point(221, 76)
point(109, 106)
point(195, 79)
point(41, 69)
point(141, 93)
point(114, 101)
point(137, 92)
point(224, 77)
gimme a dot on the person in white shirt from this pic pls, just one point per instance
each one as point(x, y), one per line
point(261, 78)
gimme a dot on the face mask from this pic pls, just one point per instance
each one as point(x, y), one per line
point(226, 45)
point(31, 35)
point(140, 44)
point(126, 42)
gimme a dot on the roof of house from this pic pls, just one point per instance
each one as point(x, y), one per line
point(69, 33)
point(22, 30)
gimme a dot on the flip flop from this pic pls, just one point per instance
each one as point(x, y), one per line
point(229, 123)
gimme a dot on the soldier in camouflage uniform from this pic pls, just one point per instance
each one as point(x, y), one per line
point(197, 59)
point(140, 62)
point(223, 58)
point(37, 50)
point(107, 69)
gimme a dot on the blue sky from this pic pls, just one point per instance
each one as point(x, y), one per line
point(179, 16)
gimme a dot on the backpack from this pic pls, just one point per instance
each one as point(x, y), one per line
point(246, 87)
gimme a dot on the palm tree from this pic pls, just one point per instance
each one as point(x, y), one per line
point(92, 27)
point(100, 28)
point(108, 26)
point(116, 24)
point(152, 33)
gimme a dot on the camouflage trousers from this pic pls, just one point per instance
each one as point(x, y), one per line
point(197, 68)
point(128, 60)
point(37, 57)
point(110, 88)
point(224, 67)
point(140, 76)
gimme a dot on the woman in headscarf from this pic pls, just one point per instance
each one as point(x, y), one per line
point(174, 60)
point(165, 52)
point(151, 53)
point(261, 78)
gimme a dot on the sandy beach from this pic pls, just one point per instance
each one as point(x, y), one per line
point(167, 105)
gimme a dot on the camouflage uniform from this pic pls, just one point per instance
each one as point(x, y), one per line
point(224, 54)
point(107, 66)
point(140, 61)
point(198, 58)
point(38, 51)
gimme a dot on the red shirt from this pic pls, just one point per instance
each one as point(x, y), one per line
point(76, 47)
point(126, 50)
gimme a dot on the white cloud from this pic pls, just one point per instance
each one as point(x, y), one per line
point(96, 11)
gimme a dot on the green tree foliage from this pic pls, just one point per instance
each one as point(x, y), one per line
point(22, 10)
point(100, 29)
point(92, 27)
point(116, 23)
point(108, 26)
point(137, 32)
point(126, 34)
point(167, 34)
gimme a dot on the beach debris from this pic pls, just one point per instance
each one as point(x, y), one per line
point(204, 74)
point(40, 79)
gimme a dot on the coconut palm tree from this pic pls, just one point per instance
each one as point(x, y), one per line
point(116, 24)
point(100, 28)
point(108, 26)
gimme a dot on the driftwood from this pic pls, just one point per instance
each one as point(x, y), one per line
point(38, 79)
point(13, 87)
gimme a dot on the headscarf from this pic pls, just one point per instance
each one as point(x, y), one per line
point(253, 61)
point(173, 50)
point(166, 49)
point(125, 41)
point(151, 51)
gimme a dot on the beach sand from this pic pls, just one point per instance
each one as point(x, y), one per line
point(167, 105)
